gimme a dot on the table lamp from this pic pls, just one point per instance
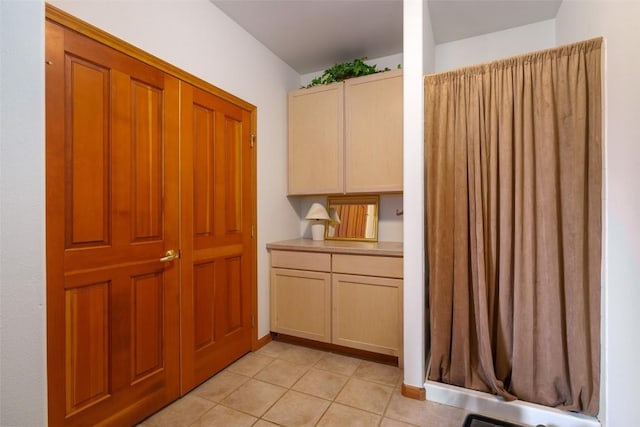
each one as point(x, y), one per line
point(318, 215)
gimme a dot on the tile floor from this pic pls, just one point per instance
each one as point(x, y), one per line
point(287, 385)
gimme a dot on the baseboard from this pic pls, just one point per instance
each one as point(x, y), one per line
point(413, 392)
point(493, 406)
point(348, 351)
point(261, 342)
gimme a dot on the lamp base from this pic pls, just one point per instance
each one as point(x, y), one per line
point(317, 230)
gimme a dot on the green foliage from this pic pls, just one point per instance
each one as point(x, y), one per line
point(346, 70)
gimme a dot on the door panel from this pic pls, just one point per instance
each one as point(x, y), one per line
point(233, 181)
point(146, 181)
point(87, 340)
point(216, 240)
point(230, 297)
point(147, 301)
point(112, 306)
point(87, 154)
point(203, 171)
point(203, 294)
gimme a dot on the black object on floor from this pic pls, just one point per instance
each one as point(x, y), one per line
point(474, 420)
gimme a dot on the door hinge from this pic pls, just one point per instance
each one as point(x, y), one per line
point(252, 231)
point(253, 322)
point(253, 140)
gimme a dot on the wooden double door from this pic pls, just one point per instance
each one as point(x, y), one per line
point(150, 213)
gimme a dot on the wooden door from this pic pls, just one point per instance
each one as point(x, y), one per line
point(218, 252)
point(112, 213)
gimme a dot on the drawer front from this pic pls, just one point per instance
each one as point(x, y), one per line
point(301, 260)
point(368, 265)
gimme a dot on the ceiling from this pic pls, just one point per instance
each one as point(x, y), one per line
point(312, 35)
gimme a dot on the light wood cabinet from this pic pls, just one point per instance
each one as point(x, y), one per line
point(367, 302)
point(351, 300)
point(316, 136)
point(346, 137)
point(300, 291)
point(373, 133)
point(367, 313)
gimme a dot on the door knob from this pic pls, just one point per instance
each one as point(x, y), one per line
point(171, 255)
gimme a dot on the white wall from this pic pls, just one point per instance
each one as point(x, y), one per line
point(390, 224)
point(193, 35)
point(428, 43)
point(196, 36)
point(22, 267)
point(492, 46)
point(618, 23)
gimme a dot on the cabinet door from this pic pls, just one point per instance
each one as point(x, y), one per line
point(373, 145)
point(367, 313)
point(316, 140)
point(301, 303)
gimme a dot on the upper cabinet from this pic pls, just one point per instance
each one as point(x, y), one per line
point(347, 137)
point(316, 140)
point(373, 133)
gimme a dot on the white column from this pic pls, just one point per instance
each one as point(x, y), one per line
point(414, 252)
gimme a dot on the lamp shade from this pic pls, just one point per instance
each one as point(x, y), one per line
point(317, 212)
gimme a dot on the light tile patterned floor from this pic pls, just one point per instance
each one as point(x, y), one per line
point(293, 386)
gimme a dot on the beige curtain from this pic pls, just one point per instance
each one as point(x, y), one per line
point(513, 178)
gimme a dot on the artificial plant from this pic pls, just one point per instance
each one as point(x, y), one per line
point(345, 70)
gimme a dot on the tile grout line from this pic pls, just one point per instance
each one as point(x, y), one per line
point(333, 400)
point(277, 400)
point(376, 379)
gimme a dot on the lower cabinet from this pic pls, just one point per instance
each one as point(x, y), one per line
point(367, 313)
point(300, 295)
point(348, 300)
point(301, 303)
